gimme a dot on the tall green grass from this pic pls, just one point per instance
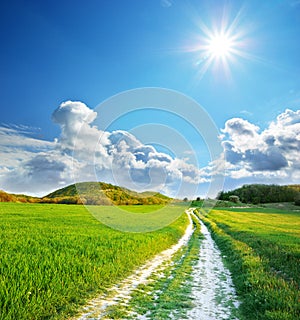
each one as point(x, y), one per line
point(54, 257)
point(263, 254)
point(137, 218)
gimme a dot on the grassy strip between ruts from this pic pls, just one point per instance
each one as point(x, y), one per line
point(54, 257)
point(167, 294)
point(262, 253)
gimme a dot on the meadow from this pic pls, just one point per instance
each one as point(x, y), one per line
point(137, 218)
point(262, 250)
point(55, 257)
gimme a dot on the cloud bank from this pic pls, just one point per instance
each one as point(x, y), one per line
point(82, 152)
point(85, 153)
point(269, 153)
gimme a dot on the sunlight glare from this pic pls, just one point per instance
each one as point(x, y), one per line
point(220, 46)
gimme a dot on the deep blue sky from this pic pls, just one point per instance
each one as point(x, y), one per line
point(53, 51)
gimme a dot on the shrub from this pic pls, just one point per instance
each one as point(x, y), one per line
point(234, 199)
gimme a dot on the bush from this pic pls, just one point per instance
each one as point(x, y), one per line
point(234, 199)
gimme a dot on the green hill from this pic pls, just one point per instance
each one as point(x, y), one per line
point(9, 197)
point(100, 193)
point(94, 193)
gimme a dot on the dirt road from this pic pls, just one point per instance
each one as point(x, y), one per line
point(212, 288)
point(213, 295)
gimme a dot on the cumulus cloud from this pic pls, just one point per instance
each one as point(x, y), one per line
point(83, 152)
point(241, 130)
point(285, 131)
point(272, 152)
point(74, 117)
point(44, 172)
point(17, 148)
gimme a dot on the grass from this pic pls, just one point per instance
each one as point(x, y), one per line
point(263, 253)
point(54, 257)
point(282, 206)
point(167, 295)
point(137, 218)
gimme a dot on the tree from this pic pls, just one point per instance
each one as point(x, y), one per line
point(261, 193)
point(234, 199)
point(297, 199)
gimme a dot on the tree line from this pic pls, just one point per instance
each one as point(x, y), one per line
point(262, 193)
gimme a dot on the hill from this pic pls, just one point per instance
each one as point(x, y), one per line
point(100, 193)
point(9, 197)
point(93, 193)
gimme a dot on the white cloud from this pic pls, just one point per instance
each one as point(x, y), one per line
point(44, 172)
point(271, 153)
point(16, 150)
point(74, 117)
point(241, 130)
point(83, 152)
point(246, 112)
point(14, 137)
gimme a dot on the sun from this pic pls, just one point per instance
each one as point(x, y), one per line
point(220, 46)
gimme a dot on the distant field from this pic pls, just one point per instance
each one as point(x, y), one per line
point(262, 248)
point(138, 218)
point(54, 257)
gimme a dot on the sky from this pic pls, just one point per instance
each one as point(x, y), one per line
point(182, 97)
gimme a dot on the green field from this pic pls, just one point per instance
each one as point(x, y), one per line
point(262, 249)
point(139, 218)
point(54, 257)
